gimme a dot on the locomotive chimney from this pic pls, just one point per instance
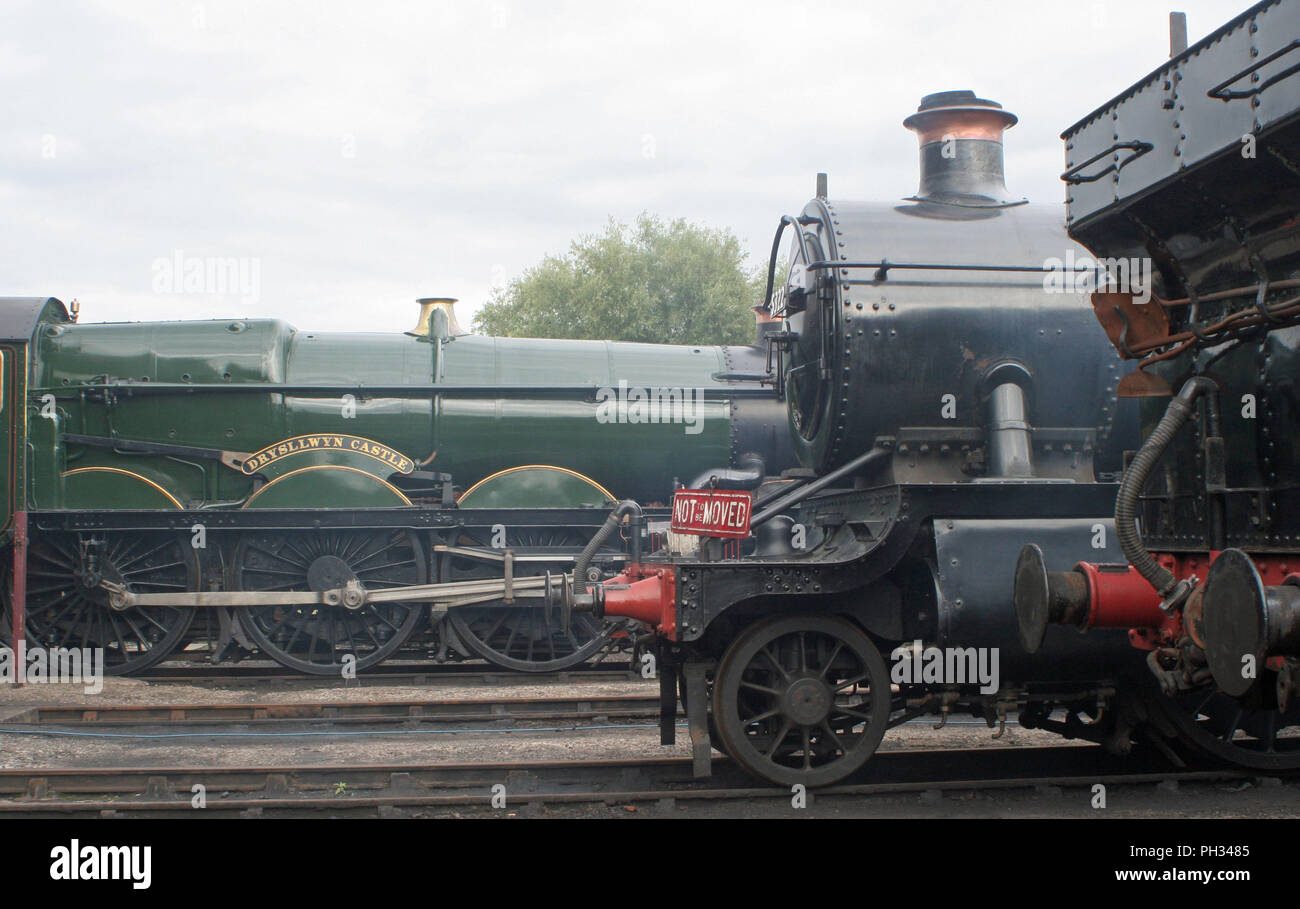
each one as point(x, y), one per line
point(430, 305)
point(961, 150)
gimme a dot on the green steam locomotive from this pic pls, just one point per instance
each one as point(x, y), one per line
point(246, 455)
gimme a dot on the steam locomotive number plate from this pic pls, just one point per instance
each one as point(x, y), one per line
point(712, 513)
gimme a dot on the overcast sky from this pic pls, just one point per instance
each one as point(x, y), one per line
point(356, 156)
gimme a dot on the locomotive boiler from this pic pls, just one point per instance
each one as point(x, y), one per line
point(300, 460)
point(252, 400)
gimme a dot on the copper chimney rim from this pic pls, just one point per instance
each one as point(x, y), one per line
point(960, 114)
point(961, 151)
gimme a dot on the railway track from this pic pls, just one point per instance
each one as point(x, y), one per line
point(388, 674)
point(387, 789)
point(580, 708)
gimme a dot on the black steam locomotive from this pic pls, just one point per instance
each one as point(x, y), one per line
point(952, 401)
point(941, 371)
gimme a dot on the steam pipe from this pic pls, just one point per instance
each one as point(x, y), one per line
point(776, 249)
point(1011, 452)
point(798, 495)
point(748, 473)
point(1172, 591)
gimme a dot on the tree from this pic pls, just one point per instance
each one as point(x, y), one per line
point(674, 283)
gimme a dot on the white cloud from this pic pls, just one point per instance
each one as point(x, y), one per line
point(368, 154)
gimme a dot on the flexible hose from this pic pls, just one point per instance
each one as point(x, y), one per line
point(624, 508)
point(1135, 480)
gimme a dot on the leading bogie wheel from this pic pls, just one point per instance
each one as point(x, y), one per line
point(802, 699)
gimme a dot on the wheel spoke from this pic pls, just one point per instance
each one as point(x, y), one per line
point(514, 630)
point(123, 565)
point(830, 661)
point(522, 638)
point(1201, 706)
point(139, 635)
point(313, 639)
point(147, 615)
point(834, 737)
point(848, 711)
point(297, 575)
point(369, 629)
point(352, 644)
point(63, 612)
point(306, 559)
point(277, 556)
point(1233, 725)
point(373, 568)
point(780, 737)
point(765, 715)
point(776, 663)
point(297, 630)
point(1270, 730)
point(491, 635)
point(777, 676)
point(117, 633)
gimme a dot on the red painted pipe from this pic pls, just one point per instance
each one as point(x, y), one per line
point(1120, 598)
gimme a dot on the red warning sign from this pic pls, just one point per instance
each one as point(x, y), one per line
point(712, 513)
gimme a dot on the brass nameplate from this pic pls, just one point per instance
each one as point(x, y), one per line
point(327, 442)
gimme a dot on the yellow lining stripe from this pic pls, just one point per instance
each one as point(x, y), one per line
point(293, 473)
point(572, 473)
point(71, 473)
